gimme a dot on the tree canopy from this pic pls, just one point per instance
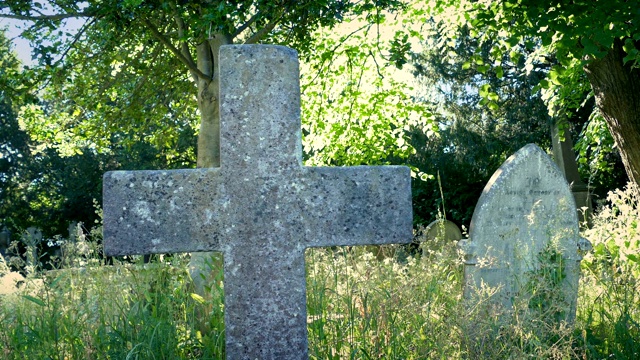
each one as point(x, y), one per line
point(133, 57)
point(585, 46)
point(136, 83)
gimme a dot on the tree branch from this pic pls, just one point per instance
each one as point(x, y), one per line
point(335, 48)
point(258, 35)
point(244, 26)
point(47, 17)
point(166, 42)
point(184, 46)
point(76, 38)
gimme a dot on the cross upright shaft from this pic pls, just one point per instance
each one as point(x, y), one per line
point(261, 208)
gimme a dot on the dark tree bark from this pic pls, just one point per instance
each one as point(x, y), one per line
point(617, 91)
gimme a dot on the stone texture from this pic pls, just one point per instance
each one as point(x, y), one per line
point(526, 206)
point(261, 208)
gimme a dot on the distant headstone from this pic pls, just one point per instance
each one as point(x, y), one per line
point(525, 215)
point(33, 236)
point(5, 240)
point(565, 158)
point(261, 208)
point(442, 229)
point(74, 231)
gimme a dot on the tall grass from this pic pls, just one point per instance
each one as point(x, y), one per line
point(400, 307)
point(123, 311)
point(361, 305)
point(610, 292)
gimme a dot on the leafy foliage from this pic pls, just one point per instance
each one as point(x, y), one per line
point(124, 69)
point(576, 43)
point(354, 110)
point(14, 142)
point(482, 118)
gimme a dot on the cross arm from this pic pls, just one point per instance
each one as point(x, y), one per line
point(162, 211)
point(362, 205)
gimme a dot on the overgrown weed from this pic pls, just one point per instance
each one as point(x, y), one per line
point(610, 287)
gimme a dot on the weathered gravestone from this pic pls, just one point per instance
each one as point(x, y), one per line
point(525, 215)
point(261, 208)
point(32, 236)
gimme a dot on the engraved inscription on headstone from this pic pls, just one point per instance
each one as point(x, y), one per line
point(261, 208)
point(526, 211)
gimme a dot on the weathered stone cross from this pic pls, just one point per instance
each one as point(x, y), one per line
point(261, 208)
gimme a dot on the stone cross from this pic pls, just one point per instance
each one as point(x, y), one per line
point(261, 208)
point(526, 209)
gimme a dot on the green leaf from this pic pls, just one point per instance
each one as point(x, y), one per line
point(603, 38)
point(590, 47)
point(555, 74)
point(515, 56)
point(600, 249)
point(484, 90)
point(631, 50)
point(34, 300)
point(499, 71)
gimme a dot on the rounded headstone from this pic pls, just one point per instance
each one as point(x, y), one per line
point(442, 229)
point(526, 213)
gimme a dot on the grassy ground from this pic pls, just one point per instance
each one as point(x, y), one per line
point(361, 305)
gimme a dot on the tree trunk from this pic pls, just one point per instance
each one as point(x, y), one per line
point(206, 267)
point(617, 91)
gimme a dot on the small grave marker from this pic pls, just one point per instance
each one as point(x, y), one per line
point(32, 236)
point(442, 229)
point(526, 209)
point(261, 208)
point(5, 240)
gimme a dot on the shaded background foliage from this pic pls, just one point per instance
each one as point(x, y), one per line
point(42, 184)
point(121, 104)
point(475, 136)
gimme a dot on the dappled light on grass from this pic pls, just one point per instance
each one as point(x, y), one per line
point(106, 312)
point(381, 302)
